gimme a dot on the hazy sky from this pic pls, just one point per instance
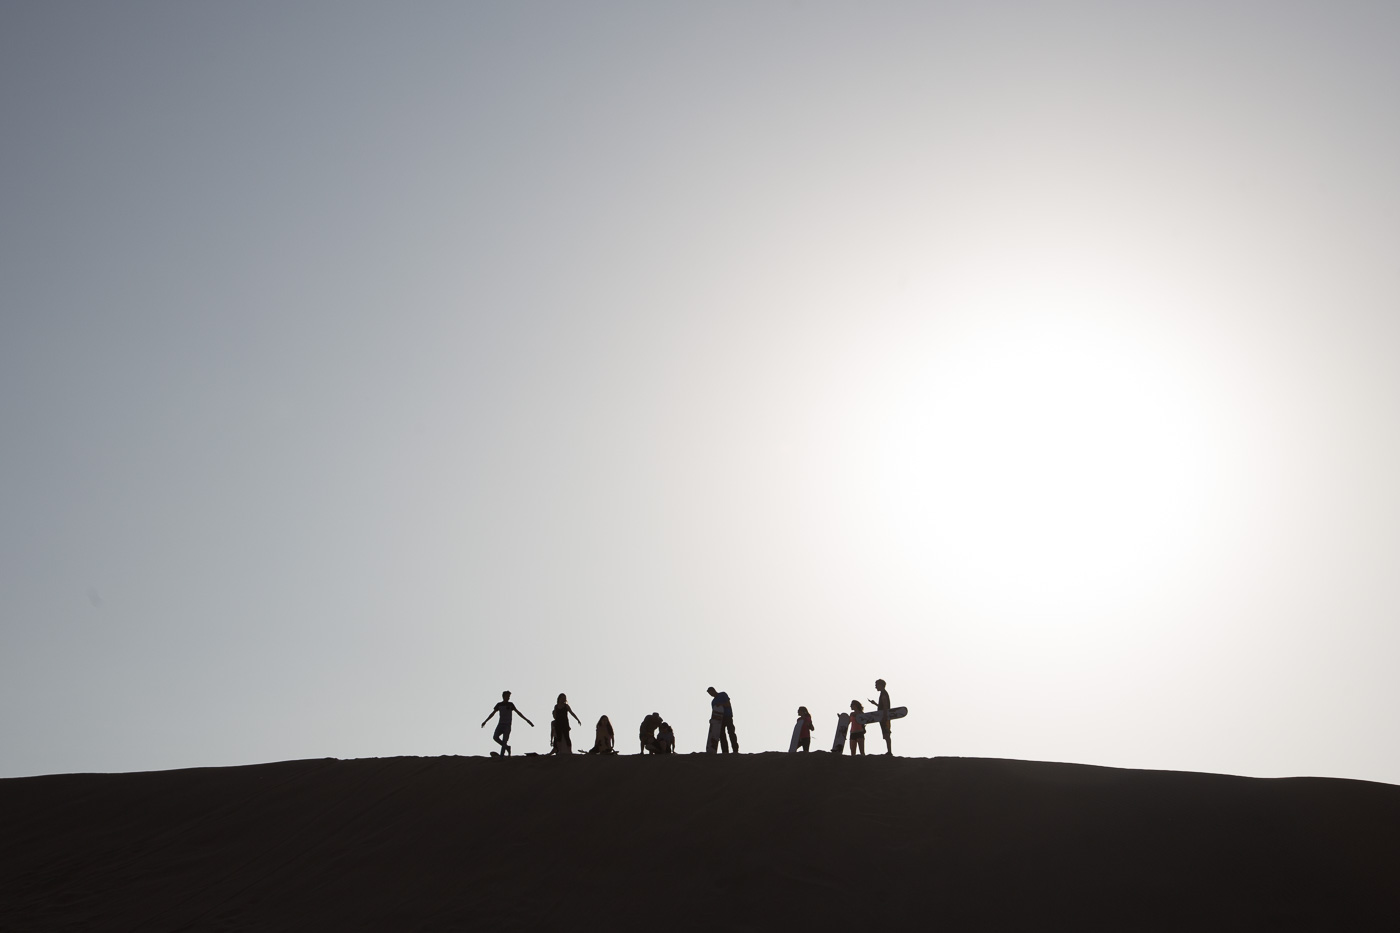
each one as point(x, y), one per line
point(358, 362)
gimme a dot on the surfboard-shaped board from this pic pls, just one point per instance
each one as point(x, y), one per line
point(796, 737)
point(899, 712)
point(843, 722)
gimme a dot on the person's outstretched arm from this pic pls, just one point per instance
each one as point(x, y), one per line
point(487, 719)
point(526, 718)
point(571, 713)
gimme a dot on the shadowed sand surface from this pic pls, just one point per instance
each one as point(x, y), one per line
point(756, 842)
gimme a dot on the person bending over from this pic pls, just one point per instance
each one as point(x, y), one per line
point(647, 734)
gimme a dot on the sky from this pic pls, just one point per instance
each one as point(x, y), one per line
point(361, 361)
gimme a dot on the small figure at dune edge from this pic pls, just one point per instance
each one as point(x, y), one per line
point(647, 733)
point(559, 731)
point(665, 739)
point(857, 729)
point(721, 723)
point(802, 732)
point(502, 734)
point(882, 705)
point(603, 738)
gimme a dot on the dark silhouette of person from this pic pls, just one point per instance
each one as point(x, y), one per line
point(721, 722)
point(665, 739)
point(802, 732)
point(502, 734)
point(857, 729)
point(560, 738)
point(883, 705)
point(603, 738)
point(647, 734)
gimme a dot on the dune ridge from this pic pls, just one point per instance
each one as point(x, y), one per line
point(747, 842)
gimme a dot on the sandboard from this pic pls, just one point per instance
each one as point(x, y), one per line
point(899, 712)
point(796, 737)
point(843, 722)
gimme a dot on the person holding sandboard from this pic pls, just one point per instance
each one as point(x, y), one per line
point(857, 729)
point(802, 731)
point(722, 714)
point(883, 706)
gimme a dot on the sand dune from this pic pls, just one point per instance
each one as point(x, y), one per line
point(751, 842)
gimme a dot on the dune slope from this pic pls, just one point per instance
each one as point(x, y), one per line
point(738, 842)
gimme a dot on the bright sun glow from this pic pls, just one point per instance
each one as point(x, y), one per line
point(1039, 466)
point(1056, 466)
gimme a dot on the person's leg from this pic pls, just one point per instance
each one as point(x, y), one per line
point(723, 740)
point(502, 737)
point(733, 738)
point(885, 731)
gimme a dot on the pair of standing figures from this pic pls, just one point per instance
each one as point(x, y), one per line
point(857, 718)
point(560, 743)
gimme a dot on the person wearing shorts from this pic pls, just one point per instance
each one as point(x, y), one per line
point(857, 729)
point(883, 705)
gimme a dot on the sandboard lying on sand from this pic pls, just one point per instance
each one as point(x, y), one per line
point(899, 712)
point(843, 722)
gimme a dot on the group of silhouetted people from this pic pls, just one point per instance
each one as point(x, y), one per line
point(657, 738)
point(882, 706)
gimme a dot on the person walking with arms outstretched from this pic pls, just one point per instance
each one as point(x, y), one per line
point(562, 712)
point(502, 734)
point(883, 705)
